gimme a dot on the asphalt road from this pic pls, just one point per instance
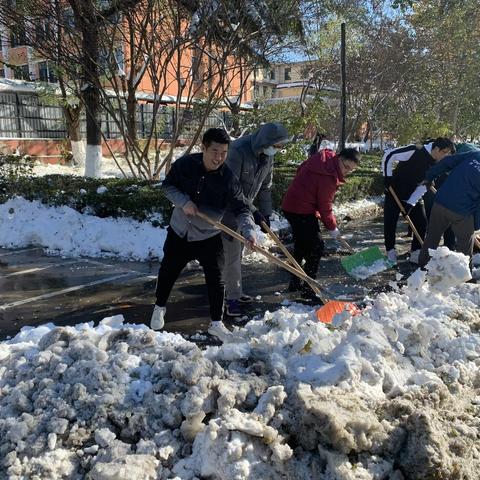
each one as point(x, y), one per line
point(36, 288)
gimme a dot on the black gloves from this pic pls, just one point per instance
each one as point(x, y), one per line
point(259, 218)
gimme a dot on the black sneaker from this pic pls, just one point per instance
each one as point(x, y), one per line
point(232, 308)
point(245, 299)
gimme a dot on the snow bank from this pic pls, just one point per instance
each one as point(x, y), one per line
point(392, 394)
point(64, 231)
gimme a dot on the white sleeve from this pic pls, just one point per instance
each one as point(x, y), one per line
point(400, 154)
point(417, 194)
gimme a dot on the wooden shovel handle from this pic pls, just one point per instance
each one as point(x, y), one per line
point(412, 226)
point(261, 250)
point(284, 249)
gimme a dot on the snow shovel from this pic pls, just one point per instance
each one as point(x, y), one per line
point(326, 313)
point(363, 258)
point(330, 308)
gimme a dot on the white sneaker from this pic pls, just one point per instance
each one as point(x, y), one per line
point(414, 256)
point(219, 330)
point(392, 255)
point(158, 318)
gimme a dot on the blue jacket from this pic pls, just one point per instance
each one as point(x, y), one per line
point(461, 190)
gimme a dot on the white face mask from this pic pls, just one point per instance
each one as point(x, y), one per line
point(270, 151)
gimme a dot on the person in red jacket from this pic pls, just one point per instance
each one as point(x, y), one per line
point(309, 198)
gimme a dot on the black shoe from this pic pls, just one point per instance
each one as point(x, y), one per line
point(245, 298)
point(309, 295)
point(232, 308)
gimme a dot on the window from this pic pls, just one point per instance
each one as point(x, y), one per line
point(46, 73)
point(2, 73)
point(21, 72)
point(119, 59)
point(272, 74)
point(265, 91)
point(288, 71)
point(18, 36)
point(195, 67)
point(42, 31)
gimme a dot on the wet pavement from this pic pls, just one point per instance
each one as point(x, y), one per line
point(36, 288)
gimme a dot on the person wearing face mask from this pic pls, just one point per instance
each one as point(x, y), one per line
point(251, 160)
point(309, 198)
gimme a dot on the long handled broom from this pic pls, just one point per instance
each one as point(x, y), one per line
point(324, 313)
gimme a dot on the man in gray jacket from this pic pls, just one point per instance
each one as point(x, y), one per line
point(200, 182)
point(251, 160)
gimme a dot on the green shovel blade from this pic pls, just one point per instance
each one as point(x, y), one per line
point(364, 258)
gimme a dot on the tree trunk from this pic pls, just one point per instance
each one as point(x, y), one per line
point(77, 144)
point(91, 90)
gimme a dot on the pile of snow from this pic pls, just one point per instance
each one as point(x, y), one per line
point(391, 394)
point(64, 231)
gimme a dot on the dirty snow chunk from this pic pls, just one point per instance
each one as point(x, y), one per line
point(447, 269)
point(365, 271)
point(476, 259)
point(138, 389)
point(128, 468)
point(102, 189)
point(104, 437)
point(114, 321)
point(52, 440)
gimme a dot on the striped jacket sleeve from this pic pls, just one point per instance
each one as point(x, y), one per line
point(400, 154)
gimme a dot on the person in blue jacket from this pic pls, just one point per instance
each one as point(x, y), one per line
point(457, 203)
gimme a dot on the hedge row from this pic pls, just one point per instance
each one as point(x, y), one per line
point(143, 200)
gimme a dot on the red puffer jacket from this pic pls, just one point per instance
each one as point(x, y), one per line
point(314, 187)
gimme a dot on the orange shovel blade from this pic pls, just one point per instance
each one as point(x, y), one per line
point(326, 313)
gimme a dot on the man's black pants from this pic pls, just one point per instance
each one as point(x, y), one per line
point(177, 252)
point(307, 241)
point(391, 212)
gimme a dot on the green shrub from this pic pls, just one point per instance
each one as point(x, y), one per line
point(141, 200)
point(13, 167)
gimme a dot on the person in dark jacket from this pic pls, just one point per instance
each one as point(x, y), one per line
point(413, 163)
point(251, 160)
point(457, 203)
point(200, 182)
point(309, 198)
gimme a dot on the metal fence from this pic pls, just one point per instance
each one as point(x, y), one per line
point(26, 115)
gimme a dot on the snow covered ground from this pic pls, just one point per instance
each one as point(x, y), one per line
point(391, 394)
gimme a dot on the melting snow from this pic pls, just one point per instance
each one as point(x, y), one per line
point(392, 394)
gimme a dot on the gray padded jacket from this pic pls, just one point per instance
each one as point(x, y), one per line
point(253, 168)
